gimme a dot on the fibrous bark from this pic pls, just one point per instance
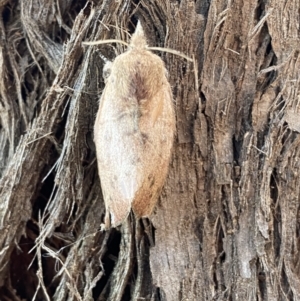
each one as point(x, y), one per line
point(226, 226)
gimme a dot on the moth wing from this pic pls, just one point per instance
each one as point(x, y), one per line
point(116, 143)
point(157, 153)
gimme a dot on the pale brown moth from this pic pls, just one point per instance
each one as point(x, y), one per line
point(134, 132)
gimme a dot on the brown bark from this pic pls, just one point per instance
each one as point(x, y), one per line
point(226, 226)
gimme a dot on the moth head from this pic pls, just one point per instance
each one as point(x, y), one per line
point(138, 39)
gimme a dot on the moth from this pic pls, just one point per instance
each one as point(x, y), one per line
point(134, 132)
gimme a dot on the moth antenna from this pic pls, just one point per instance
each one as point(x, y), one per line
point(176, 52)
point(99, 42)
point(138, 40)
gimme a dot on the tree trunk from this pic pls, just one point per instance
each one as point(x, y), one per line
point(226, 226)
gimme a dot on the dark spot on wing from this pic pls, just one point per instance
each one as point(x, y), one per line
point(135, 160)
point(131, 133)
point(122, 115)
point(151, 179)
point(152, 182)
point(145, 137)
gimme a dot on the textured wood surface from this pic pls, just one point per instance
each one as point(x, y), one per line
point(226, 226)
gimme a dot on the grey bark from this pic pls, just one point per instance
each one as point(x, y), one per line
point(226, 226)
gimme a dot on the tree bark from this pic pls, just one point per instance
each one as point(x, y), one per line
point(226, 226)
